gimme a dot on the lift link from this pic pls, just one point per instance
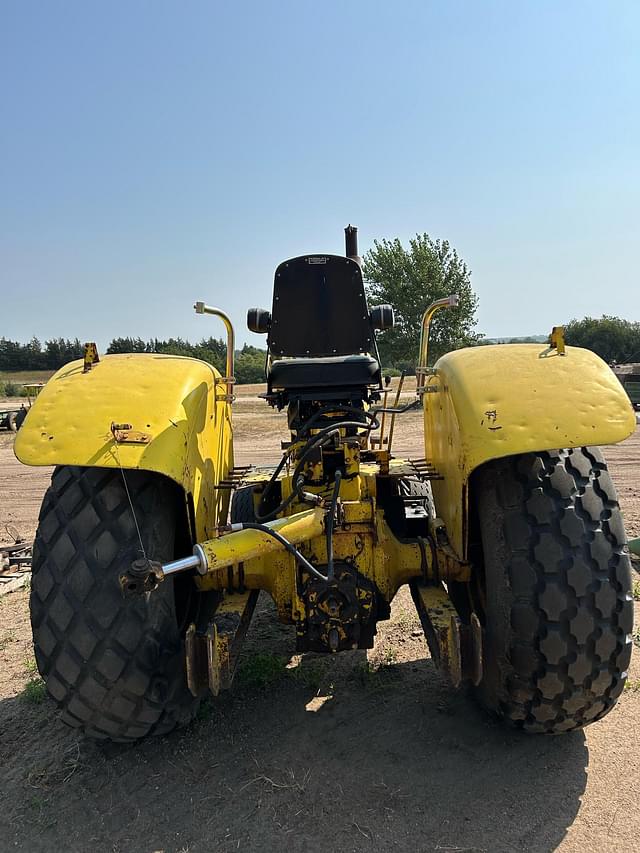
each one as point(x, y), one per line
point(455, 648)
point(227, 550)
point(244, 545)
point(212, 657)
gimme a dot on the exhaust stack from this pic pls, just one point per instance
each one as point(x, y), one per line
point(351, 244)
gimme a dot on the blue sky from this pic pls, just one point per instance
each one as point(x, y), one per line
point(154, 153)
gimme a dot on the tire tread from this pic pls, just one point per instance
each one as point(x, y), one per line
point(555, 555)
point(115, 666)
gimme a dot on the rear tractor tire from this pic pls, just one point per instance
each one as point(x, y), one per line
point(242, 506)
point(554, 589)
point(114, 665)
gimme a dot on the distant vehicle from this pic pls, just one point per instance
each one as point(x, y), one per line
point(12, 419)
point(629, 376)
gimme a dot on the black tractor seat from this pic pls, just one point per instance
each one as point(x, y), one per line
point(335, 372)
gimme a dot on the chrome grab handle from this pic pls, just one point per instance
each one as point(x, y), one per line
point(421, 370)
point(229, 379)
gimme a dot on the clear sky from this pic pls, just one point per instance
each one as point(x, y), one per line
point(154, 153)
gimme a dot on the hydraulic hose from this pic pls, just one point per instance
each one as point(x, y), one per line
point(353, 410)
point(298, 481)
point(285, 544)
point(320, 437)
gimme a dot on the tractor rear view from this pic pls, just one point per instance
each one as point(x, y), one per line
point(507, 528)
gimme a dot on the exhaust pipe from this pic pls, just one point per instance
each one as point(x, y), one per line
point(351, 244)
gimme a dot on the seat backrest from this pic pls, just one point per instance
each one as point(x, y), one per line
point(319, 309)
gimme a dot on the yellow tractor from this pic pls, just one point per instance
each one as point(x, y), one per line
point(507, 529)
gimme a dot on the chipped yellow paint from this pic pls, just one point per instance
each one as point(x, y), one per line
point(254, 560)
point(244, 545)
point(489, 402)
point(171, 399)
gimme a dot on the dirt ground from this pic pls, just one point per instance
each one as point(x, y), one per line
point(365, 751)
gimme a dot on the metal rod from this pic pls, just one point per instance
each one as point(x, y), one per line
point(330, 523)
point(201, 308)
point(395, 406)
point(390, 410)
point(244, 542)
point(380, 440)
point(447, 302)
point(183, 565)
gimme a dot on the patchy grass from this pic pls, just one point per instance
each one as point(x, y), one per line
point(376, 675)
point(633, 685)
point(261, 669)
point(61, 767)
point(309, 673)
point(389, 656)
point(636, 636)
point(636, 590)
point(206, 709)
point(31, 666)
point(34, 692)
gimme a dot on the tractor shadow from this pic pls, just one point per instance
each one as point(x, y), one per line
point(330, 755)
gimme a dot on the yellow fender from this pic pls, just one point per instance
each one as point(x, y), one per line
point(489, 402)
point(158, 413)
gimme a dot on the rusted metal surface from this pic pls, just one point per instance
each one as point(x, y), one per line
point(556, 339)
point(425, 469)
point(212, 657)
point(196, 661)
point(339, 613)
point(15, 562)
point(455, 648)
point(447, 565)
point(91, 356)
point(441, 626)
point(16, 554)
point(142, 576)
point(126, 434)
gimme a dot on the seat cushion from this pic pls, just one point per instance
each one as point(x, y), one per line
point(335, 372)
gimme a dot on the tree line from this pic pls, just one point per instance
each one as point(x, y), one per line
point(409, 278)
point(53, 354)
point(249, 361)
point(37, 356)
point(615, 340)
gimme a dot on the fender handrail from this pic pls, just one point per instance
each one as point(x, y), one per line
point(201, 308)
point(421, 370)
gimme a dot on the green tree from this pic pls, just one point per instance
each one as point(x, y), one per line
point(410, 279)
point(124, 345)
point(249, 365)
point(613, 339)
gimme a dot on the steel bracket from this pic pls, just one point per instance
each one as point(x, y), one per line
point(126, 434)
point(455, 648)
point(212, 657)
